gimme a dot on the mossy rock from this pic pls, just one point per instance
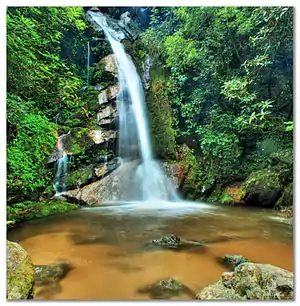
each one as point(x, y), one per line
point(33, 210)
point(284, 156)
point(80, 177)
point(77, 141)
point(20, 273)
point(286, 200)
point(262, 188)
point(250, 281)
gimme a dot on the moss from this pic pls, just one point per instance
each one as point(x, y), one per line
point(32, 210)
point(78, 140)
point(79, 177)
point(161, 117)
point(20, 273)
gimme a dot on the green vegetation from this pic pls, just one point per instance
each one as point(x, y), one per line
point(220, 100)
point(230, 81)
point(32, 210)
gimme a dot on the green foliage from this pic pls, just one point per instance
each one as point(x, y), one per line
point(32, 210)
point(230, 81)
point(161, 116)
point(31, 140)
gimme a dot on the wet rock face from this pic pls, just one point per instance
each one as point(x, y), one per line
point(20, 273)
point(112, 187)
point(250, 281)
point(50, 274)
point(163, 289)
point(176, 172)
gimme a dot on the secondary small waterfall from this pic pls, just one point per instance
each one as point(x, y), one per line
point(149, 182)
point(61, 168)
point(88, 64)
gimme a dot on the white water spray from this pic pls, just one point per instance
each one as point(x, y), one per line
point(62, 168)
point(150, 183)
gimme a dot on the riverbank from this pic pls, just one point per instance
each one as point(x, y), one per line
point(29, 210)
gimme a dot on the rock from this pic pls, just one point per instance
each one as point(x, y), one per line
point(286, 200)
point(50, 274)
point(168, 241)
point(262, 188)
point(108, 95)
point(250, 281)
point(218, 292)
point(284, 156)
point(107, 115)
point(102, 136)
point(176, 172)
point(109, 64)
point(131, 30)
point(172, 242)
point(107, 189)
point(146, 69)
point(233, 261)
point(20, 273)
point(163, 289)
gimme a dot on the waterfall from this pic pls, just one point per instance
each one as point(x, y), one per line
point(88, 64)
point(149, 182)
point(61, 168)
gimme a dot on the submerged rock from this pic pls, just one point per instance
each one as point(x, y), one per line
point(20, 273)
point(232, 261)
point(50, 274)
point(172, 242)
point(164, 289)
point(250, 281)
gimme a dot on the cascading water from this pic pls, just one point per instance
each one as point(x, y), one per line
point(149, 182)
point(61, 168)
point(88, 64)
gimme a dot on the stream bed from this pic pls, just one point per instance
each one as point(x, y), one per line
point(106, 246)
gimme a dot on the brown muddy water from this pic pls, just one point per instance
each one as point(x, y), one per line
point(106, 247)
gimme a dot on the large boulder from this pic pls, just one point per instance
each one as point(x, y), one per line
point(114, 186)
point(20, 273)
point(262, 188)
point(79, 140)
point(250, 281)
point(88, 174)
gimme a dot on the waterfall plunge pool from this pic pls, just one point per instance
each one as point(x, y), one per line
point(106, 246)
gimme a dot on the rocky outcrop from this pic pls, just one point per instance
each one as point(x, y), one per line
point(107, 189)
point(20, 273)
point(262, 188)
point(250, 281)
point(88, 174)
point(125, 28)
point(109, 64)
point(176, 172)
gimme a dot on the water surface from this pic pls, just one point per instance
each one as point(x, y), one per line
point(106, 246)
